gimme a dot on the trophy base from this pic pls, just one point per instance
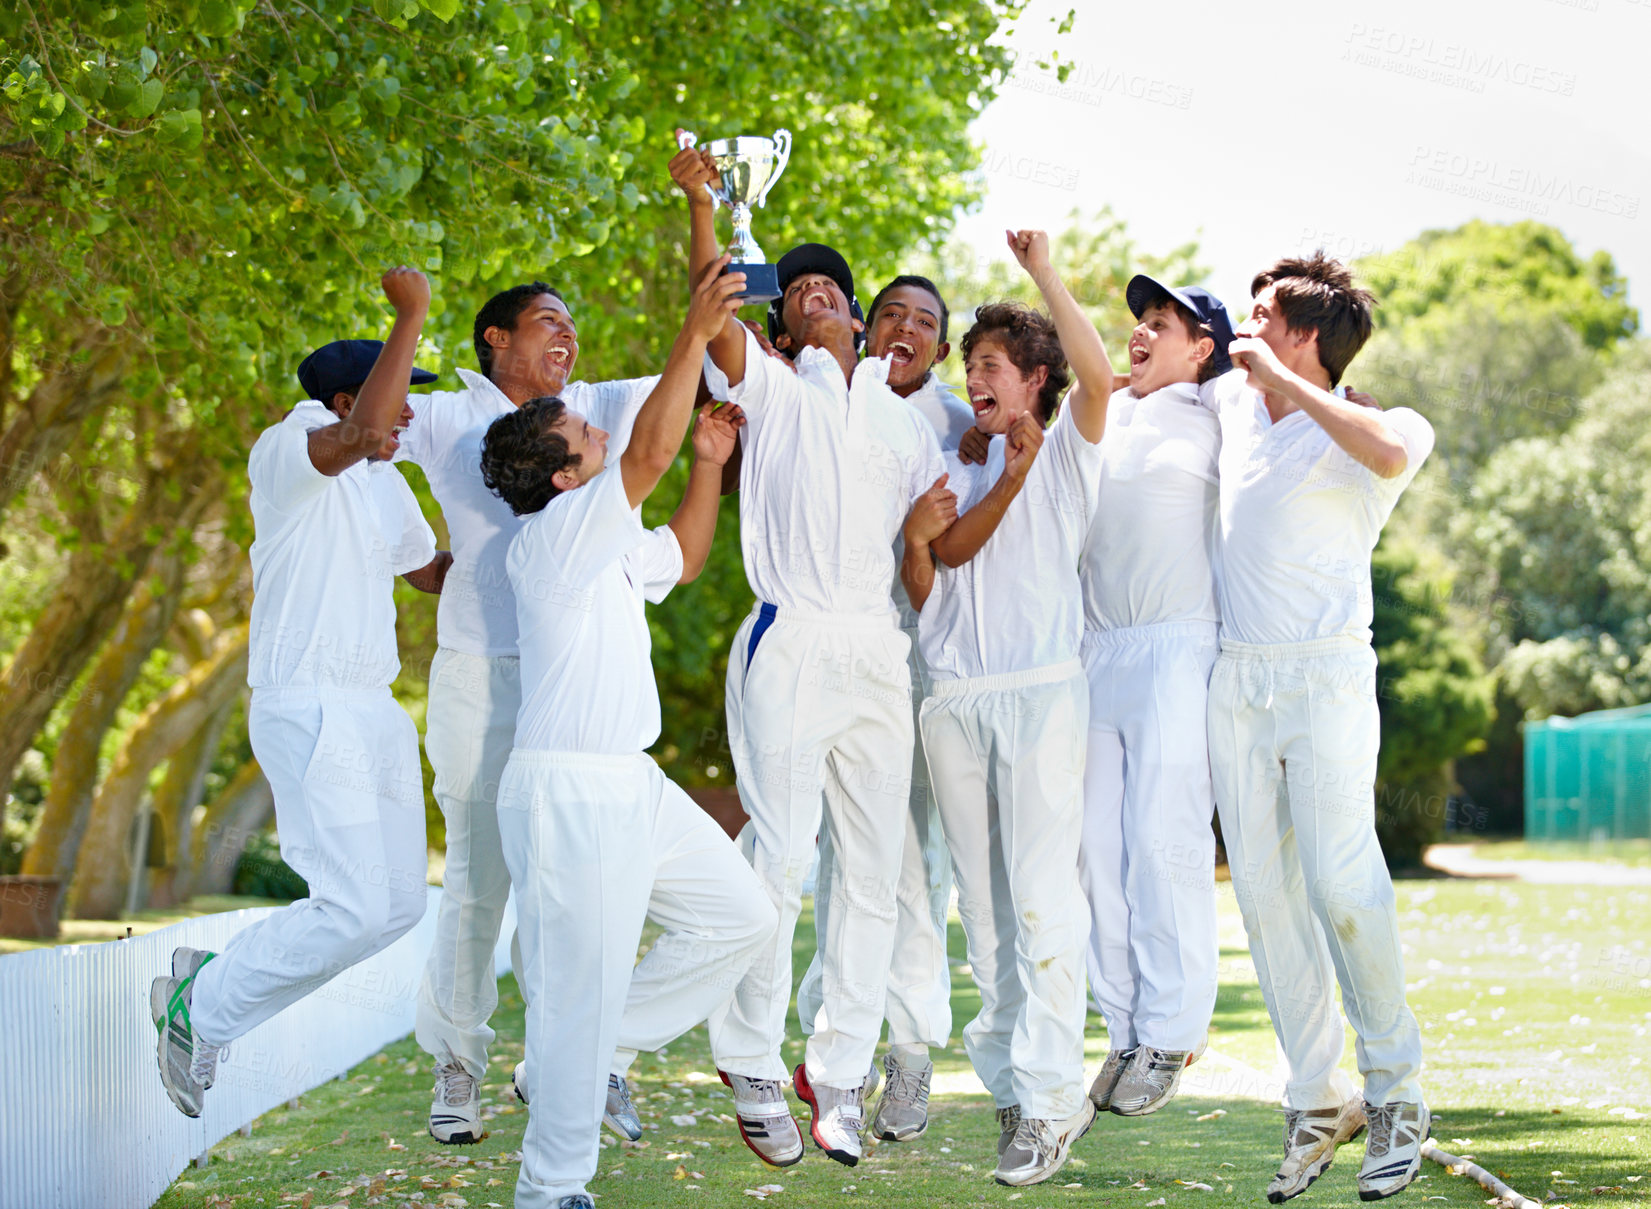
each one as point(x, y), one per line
point(762, 280)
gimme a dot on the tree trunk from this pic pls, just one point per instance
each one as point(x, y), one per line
point(162, 731)
point(83, 384)
point(88, 601)
point(75, 769)
point(240, 811)
point(174, 805)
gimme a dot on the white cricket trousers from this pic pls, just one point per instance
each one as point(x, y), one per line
point(919, 1006)
point(1302, 717)
point(1148, 860)
point(1006, 760)
point(596, 844)
point(349, 807)
point(470, 725)
point(819, 708)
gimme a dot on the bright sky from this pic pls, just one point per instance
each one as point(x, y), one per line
point(1271, 128)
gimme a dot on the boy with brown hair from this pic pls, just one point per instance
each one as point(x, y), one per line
point(1308, 479)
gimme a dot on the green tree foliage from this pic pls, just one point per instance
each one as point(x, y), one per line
point(1559, 529)
point(1484, 379)
point(194, 193)
point(1520, 352)
point(1521, 269)
point(1435, 700)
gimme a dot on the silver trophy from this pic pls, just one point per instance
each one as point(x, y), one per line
point(748, 167)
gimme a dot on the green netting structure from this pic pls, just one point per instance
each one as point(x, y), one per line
point(1589, 778)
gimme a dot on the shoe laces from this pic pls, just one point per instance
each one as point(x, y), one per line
point(1008, 1118)
point(203, 1064)
point(1162, 1064)
point(454, 1084)
point(623, 1090)
point(1037, 1137)
point(1381, 1119)
point(757, 1093)
point(906, 1084)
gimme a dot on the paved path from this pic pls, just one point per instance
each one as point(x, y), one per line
point(1459, 860)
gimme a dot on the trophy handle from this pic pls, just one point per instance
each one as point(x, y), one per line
point(782, 139)
point(686, 139)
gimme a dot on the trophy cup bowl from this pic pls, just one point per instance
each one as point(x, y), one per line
point(749, 166)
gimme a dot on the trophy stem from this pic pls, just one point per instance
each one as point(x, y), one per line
point(743, 247)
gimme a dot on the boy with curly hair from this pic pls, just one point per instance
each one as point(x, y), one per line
point(595, 835)
point(1004, 725)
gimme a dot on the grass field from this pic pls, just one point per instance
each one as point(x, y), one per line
point(1633, 853)
point(1535, 1003)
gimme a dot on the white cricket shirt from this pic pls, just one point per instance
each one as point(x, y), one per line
point(828, 474)
point(950, 417)
point(1299, 518)
point(1017, 605)
point(1150, 553)
point(580, 569)
point(325, 554)
point(477, 612)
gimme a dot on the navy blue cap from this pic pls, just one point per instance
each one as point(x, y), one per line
point(1143, 291)
point(344, 365)
point(813, 258)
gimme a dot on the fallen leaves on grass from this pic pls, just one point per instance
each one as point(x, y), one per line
point(1216, 1115)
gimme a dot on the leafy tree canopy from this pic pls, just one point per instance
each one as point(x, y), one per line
point(1512, 267)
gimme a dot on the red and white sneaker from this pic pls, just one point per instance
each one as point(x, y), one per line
point(839, 1114)
point(765, 1119)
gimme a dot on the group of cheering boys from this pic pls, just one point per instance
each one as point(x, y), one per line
point(1078, 616)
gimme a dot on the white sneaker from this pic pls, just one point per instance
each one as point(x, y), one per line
point(839, 1114)
point(1310, 1140)
point(903, 1112)
point(1100, 1091)
point(1008, 1120)
point(456, 1112)
point(765, 1120)
point(1149, 1080)
point(187, 1064)
point(619, 1114)
point(1040, 1147)
point(1393, 1156)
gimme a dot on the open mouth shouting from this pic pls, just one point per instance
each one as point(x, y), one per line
point(984, 404)
point(559, 357)
point(1138, 354)
point(901, 353)
point(816, 299)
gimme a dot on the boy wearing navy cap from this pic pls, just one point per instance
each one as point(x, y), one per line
point(334, 523)
point(908, 324)
point(1149, 640)
point(819, 692)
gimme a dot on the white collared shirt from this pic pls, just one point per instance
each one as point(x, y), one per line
point(477, 611)
point(1299, 519)
point(580, 569)
point(950, 417)
point(1149, 556)
point(1017, 605)
point(828, 474)
point(325, 554)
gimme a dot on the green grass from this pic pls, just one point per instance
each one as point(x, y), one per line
point(1535, 1003)
point(1634, 853)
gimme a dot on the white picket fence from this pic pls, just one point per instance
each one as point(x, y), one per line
point(84, 1122)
